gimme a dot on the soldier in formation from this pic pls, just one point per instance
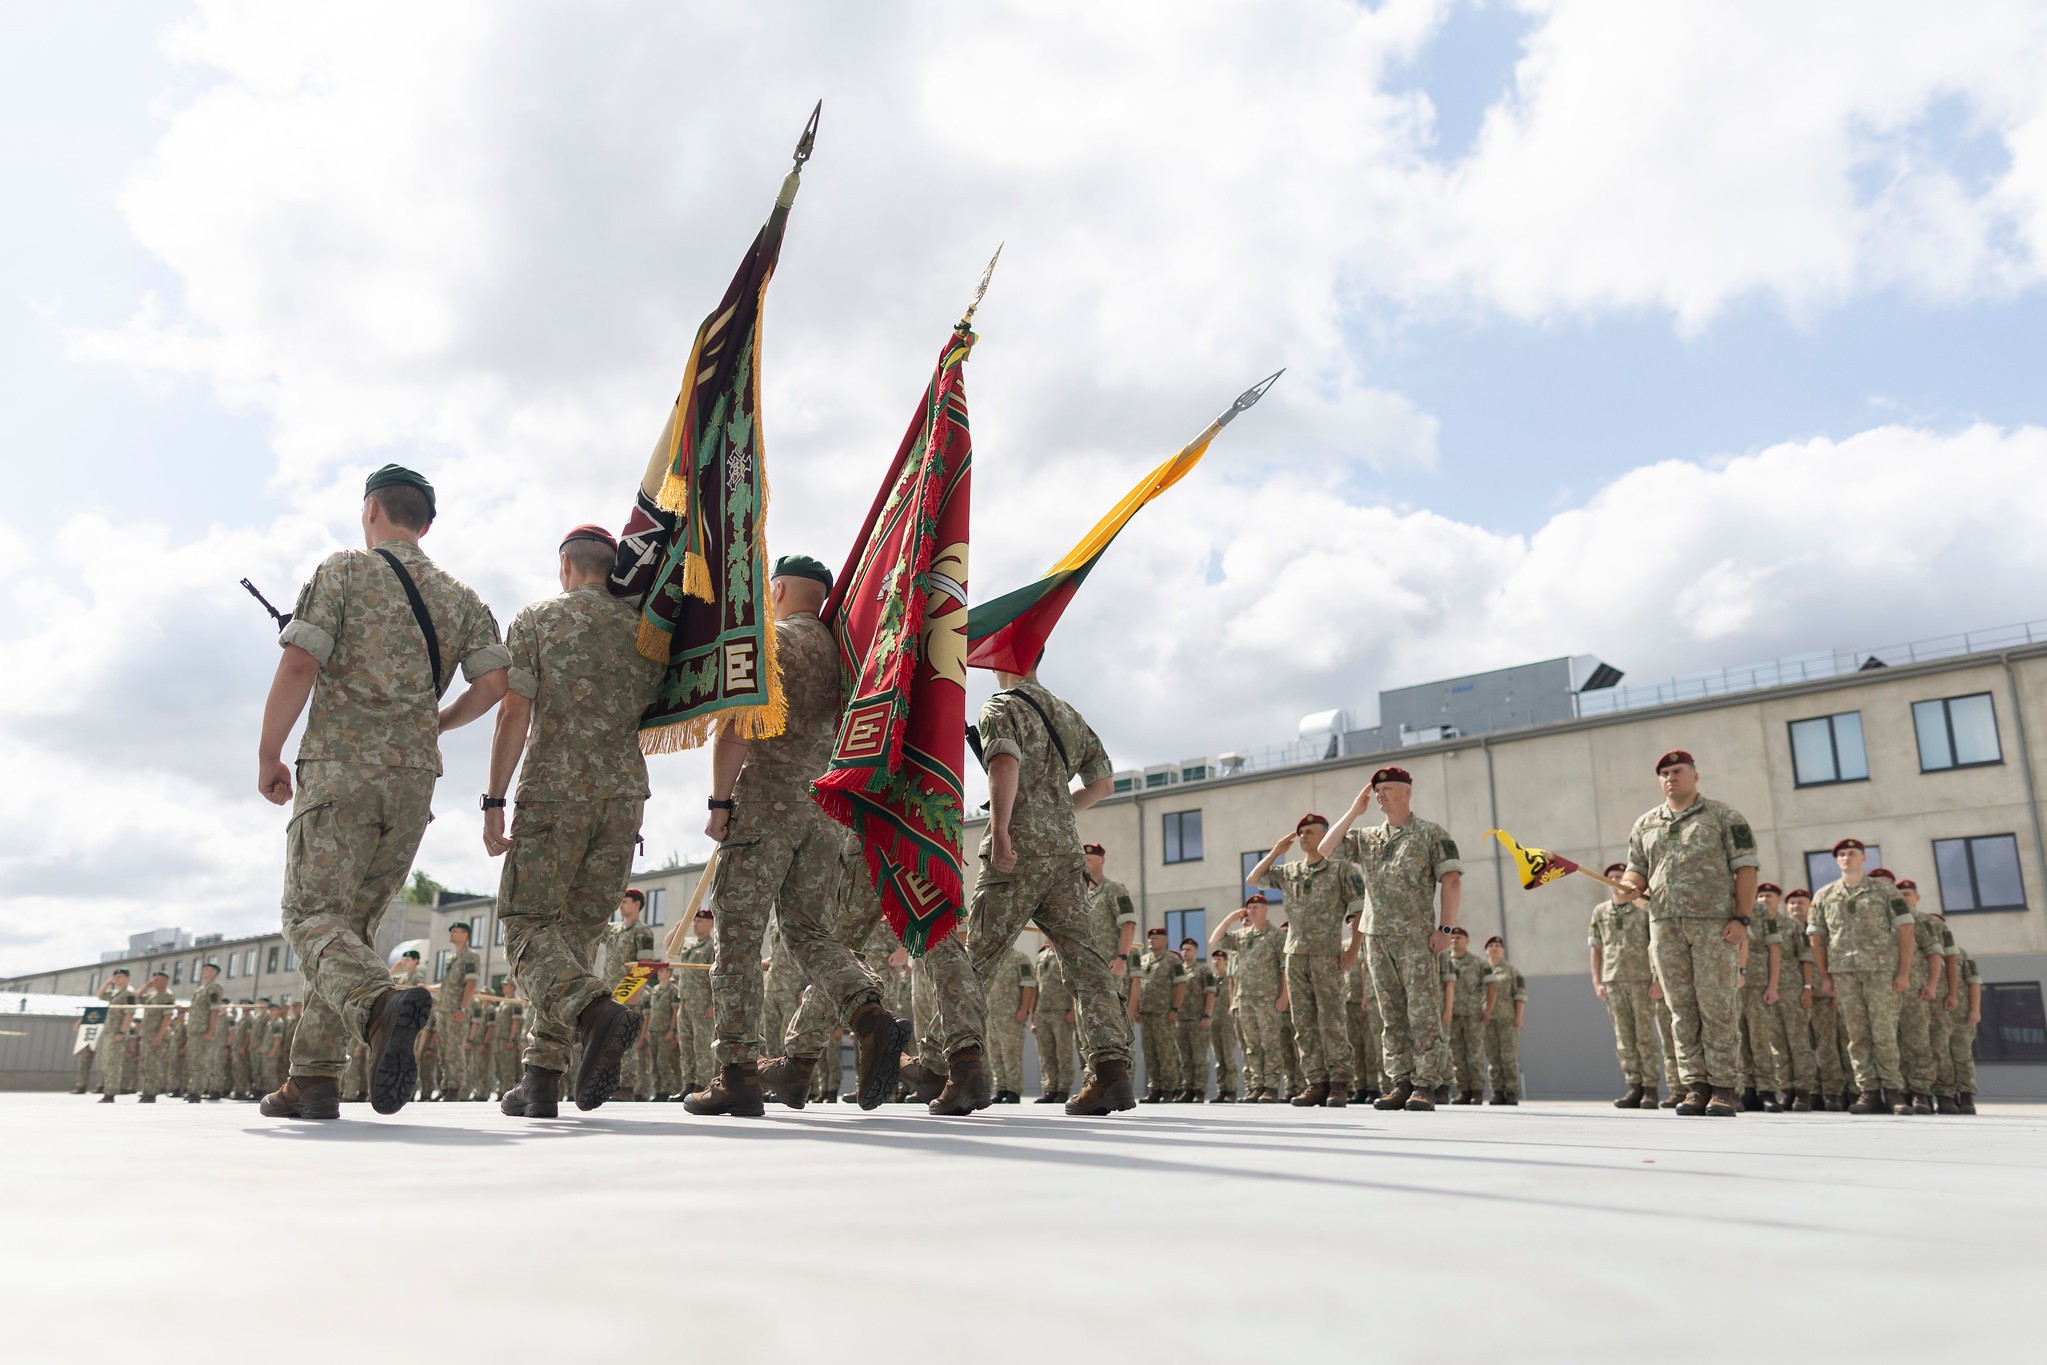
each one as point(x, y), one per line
point(1052, 1024)
point(1257, 995)
point(1156, 994)
point(1464, 975)
point(1504, 1013)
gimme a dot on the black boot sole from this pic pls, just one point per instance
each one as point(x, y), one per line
point(394, 1071)
point(604, 1059)
point(876, 1089)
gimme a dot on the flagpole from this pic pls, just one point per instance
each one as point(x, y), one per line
point(1602, 877)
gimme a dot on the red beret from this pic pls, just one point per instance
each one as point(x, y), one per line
point(1855, 844)
point(1908, 885)
point(1392, 775)
point(1615, 869)
point(1798, 893)
point(1256, 898)
point(1885, 873)
point(1310, 819)
point(590, 532)
point(1495, 939)
point(1674, 757)
point(1094, 850)
point(1770, 887)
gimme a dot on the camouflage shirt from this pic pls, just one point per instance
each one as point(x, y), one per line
point(374, 699)
point(576, 659)
point(118, 1019)
point(661, 1003)
point(1200, 983)
point(462, 967)
point(1041, 825)
point(1316, 894)
point(1108, 909)
point(206, 998)
point(625, 944)
point(153, 1019)
point(1690, 857)
point(1255, 960)
point(1401, 866)
point(1469, 973)
point(693, 989)
point(774, 786)
point(1859, 926)
point(1792, 948)
point(1005, 986)
point(1621, 933)
point(507, 1022)
point(1930, 943)
point(1159, 972)
point(1055, 995)
point(1508, 986)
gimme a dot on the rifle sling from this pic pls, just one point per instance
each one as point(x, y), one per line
point(426, 622)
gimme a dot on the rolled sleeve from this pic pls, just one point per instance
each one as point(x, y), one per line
point(1742, 860)
point(1447, 866)
point(1902, 921)
point(522, 682)
point(489, 659)
point(1816, 932)
point(317, 616)
point(1003, 748)
point(309, 637)
point(1094, 759)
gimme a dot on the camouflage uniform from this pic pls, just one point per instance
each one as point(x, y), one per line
point(1961, 1061)
point(1689, 859)
point(624, 945)
point(243, 1056)
point(1109, 908)
point(115, 1041)
point(366, 770)
point(1798, 1064)
point(582, 788)
point(1402, 865)
point(1502, 1039)
point(1054, 1030)
point(1467, 1036)
point(1160, 972)
point(1829, 1074)
point(507, 1027)
point(665, 1046)
point(1006, 983)
point(637, 1075)
point(782, 989)
point(1929, 963)
point(1222, 1036)
point(451, 1023)
point(1317, 893)
point(479, 1067)
point(1621, 933)
point(1357, 1026)
point(1197, 1017)
point(156, 1043)
point(1049, 882)
point(1256, 966)
point(1764, 1046)
point(692, 1014)
point(1859, 927)
point(1940, 1020)
point(355, 1077)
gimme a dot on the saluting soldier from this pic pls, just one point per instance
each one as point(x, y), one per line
point(373, 641)
point(157, 1036)
point(1257, 993)
point(1318, 887)
point(570, 726)
point(1862, 942)
point(1156, 995)
point(1696, 859)
point(113, 1043)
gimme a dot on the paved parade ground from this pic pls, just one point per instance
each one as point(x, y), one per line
point(1553, 1231)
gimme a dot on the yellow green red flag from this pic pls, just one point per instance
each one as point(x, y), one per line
point(1538, 867)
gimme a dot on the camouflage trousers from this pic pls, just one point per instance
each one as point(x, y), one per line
point(1161, 1051)
point(667, 1063)
point(116, 1074)
point(1869, 1016)
point(1222, 1045)
point(1407, 986)
point(1634, 1030)
point(1194, 1049)
point(569, 864)
point(1915, 1041)
point(1005, 1050)
point(1315, 999)
point(452, 1076)
point(1055, 1050)
point(1763, 1043)
point(355, 1078)
point(506, 1063)
point(1503, 1053)
point(1666, 1032)
point(1290, 1058)
point(828, 947)
point(354, 829)
point(1701, 979)
point(1365, 1068)
point(1467, 1051)
point(1257, 1028)
point(1962, 1054)
point(156, 1061)
point(1826, 1045)
point(86, 1057)
point(1798, 1064)
point(793, 870)
point(1940, 1025)
point(1053, 893)
point(693, 1039)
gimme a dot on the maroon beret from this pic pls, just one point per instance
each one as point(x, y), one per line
point(1855, 844)
point(1392, 775)
point(1495, 939)
point(1674, 757)
point(1908, 885)
point(1798, 893)
point(591, 532)
point(1615, 869)
point(1770, 887)
point(1256, 898)
point(1093, 850)
point(1885, 873)
point(1310, 819)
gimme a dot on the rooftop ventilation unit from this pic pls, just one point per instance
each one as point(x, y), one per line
point(1161, 775)
point(1323, 732)
point(1129, 780)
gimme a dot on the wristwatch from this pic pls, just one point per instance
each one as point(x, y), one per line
point(493, 803)
point(716, 804)
point(1742, 920)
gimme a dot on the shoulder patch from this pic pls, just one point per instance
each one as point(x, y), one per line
point(1450, 850)
point(1744, 837)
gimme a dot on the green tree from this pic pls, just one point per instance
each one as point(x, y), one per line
point(423, 889)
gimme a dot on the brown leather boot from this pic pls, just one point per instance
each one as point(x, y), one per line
point(1421, 1101)
point(1965, 1101)
point(605, 1029)
point(304, 1097)
point(1466, 1097)
point(1901, 1102)
point(1313, 1096)
point(878, 1041)
point(1631, 1100)
point(924, 1083)
point(1922, 1103)
point(1338, 1097)
point(1868, 1102)
point(1697, 1096)
point(967, 1087)
point(395, 1023)
point(787, 1079)
point(1723, 1103)
point(1107, 1092)
point(737, 1092)
point(536, 1096)
point(1947, 1105)
point(1396, 1098)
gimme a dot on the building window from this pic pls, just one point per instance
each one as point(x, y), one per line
point(498, 933)
point(1183, 836)
point(653, 915)
point(2014, 1023)
point(249, 963)
point(270, 960)
point(177, 973)
point(1250, 860)
point(1185, 924)
point(1820, 867)
point(441, 960)
point(230, 966)
point(1980, 873)
point(1956, 732)
point(1828, 749)
point(291, 959)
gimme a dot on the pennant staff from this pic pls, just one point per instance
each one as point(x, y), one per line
point(689, 912)
point(1540, 867)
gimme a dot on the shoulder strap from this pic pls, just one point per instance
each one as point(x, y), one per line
point(426, 623)
point(1050, 729)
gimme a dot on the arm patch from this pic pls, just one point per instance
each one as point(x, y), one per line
point(1744, 837)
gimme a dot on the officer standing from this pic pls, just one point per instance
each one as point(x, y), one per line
point(693, 1003)
point(1012, 994)
point(1464, 975)
point(1829, 1073)
point(451, 1012)
point(1156, 995)
point(663, 1049)
point(1618, 944)
point(1696, 859)
point(1197, 1017)
point(1506, 1010)
point(157, 1037)
point(1862, 943)
point(1222, 1029)
point(1930, 944)
point(373, 641)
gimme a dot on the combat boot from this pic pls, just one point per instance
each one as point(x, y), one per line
point(192, 1097)
point(536, 1096)
point(1697, 1096)
point(1901, 1102)
point(396, 1018)
point(1921, 1104)
point(1153, 1095)
point(1770, 1102)
point(1442, 1095)
point(1832, 1104)
point(1396, 1098)
point(1225, 1097)
point(147, 1098)
point(737, 1092)
point(1800, 1103)
point(1672, 1100)
point(1107, 1091)
point(1868, 1102)
point(787, 1080)
point(1751, 1101)
point(1421, 1101)
point(304, 1097)
point(1467, 1097)
point(1946, 1105)
point(106, 1099)
point(1269, 1096)
point(1313, 1096)
point(605, 1030)
point(966, 1084)
point(1631, 1100)
point(1049, 1097)
point(1339, 1098)
point(1723, 1103)
point(1966, 1102)
point(924, 1083)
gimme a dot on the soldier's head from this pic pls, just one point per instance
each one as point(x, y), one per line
point(1797, 901)
point(631, 904)
point(1849, 857)
point(799, 584)
point(458, 934)
point(703, 922)
point(159, 979)
point(1155, 940)
point(411, 954)
point(1393, 790)
point(1884, 874)
point(1678, 774)
point(209, 972)
point(1496, 950)
point(397, 504)
point(1909, 889)
point(1257, 909)
point(1460, 940)
point(120, 974)
point(1096, 856)
point(1770, 894)
point(1190, 951)
point(586, 556)
point(509, 986)
point(661, 971)
point(1220, 960)
point(1308, 832)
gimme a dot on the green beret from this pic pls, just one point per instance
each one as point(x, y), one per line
point(392, 475)
point(802, 566)
point(458, 924)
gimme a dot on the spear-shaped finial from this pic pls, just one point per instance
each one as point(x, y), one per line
point(1248, 397)
point(981, 290)
point(809, 138)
